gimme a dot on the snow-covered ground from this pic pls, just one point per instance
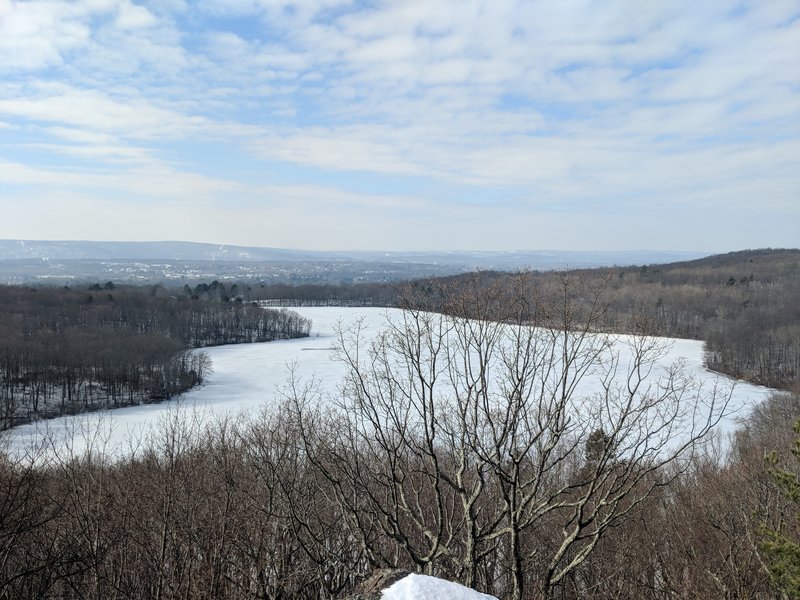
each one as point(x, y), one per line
point(424, 587)
point(248, 377)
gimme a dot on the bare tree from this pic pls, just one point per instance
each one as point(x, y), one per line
point(469, 437)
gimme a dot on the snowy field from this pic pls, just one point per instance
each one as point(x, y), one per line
point(247, 378)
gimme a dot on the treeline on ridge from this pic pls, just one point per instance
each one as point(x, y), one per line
point(69, 350)
point(744, 305)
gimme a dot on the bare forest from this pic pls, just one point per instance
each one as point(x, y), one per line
point(67, 350)
point(458, 447)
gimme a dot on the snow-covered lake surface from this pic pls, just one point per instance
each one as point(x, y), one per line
point(247, 377)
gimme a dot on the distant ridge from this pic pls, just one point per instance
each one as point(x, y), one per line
point(195, 251)
point(168, 250)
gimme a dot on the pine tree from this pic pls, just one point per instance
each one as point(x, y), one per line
point(782, 552)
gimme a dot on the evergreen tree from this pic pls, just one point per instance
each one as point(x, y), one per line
point(783, 553)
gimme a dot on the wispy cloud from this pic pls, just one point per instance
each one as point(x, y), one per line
point(420, 114)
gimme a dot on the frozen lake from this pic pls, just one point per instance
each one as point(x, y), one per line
point(247, 378)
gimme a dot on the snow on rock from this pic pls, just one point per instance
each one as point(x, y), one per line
point(424, 587)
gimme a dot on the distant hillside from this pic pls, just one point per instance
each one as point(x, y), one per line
point(87, 250)
point(766, 262)
point(745, 305)
point(68, 262)
point(192, 251)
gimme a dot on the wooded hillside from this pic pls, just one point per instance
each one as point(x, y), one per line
point(744, 305)
point(65, 350)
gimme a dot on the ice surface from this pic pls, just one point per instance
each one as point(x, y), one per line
point(424, 587)
point(248, 377)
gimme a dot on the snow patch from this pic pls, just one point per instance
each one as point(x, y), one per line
point(424, 587)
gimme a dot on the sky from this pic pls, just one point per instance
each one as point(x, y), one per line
point(403, 125)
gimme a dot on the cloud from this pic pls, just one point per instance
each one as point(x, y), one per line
point(147, 183)
point(571, 107)
point(34, 35)
point(132, 16)
point(97, 112)
point(123, 155)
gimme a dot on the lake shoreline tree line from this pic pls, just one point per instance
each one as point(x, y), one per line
point(71, 350)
